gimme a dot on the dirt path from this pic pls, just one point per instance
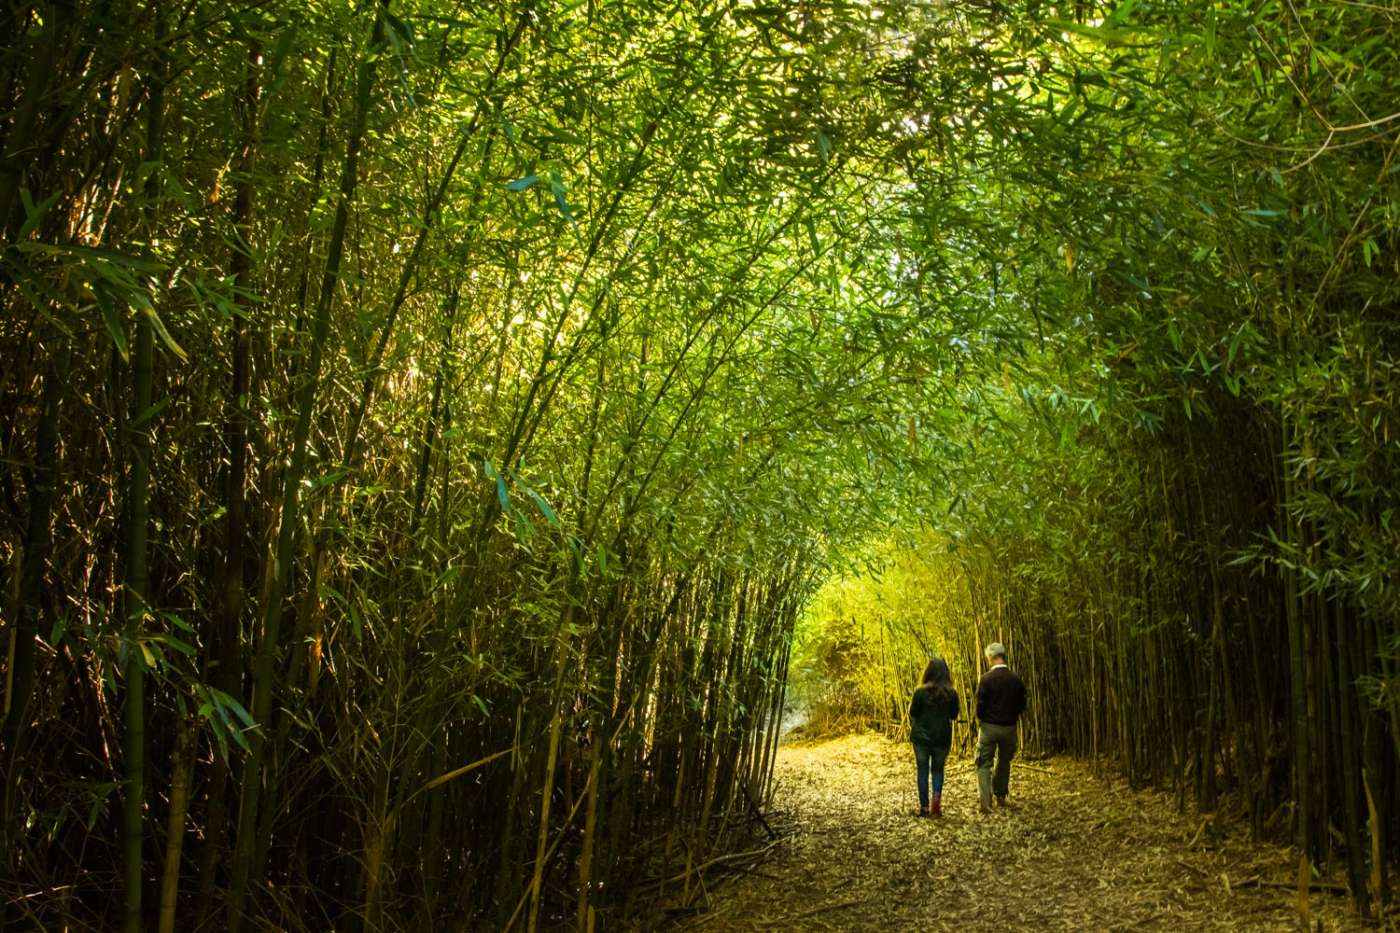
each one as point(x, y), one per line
point(1077, 853)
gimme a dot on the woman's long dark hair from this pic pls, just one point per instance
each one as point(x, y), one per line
point(936, 675)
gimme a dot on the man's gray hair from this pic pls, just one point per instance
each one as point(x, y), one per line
point(995, 650)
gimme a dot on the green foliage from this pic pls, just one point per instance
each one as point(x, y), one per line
point(863, 641)
point(649, 326)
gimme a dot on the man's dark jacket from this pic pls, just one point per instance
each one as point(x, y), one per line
point(1001, 697)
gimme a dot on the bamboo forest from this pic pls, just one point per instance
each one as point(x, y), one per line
point(506, 465)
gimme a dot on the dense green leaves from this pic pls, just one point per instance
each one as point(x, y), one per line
point(639, 321)
point(1162, 456)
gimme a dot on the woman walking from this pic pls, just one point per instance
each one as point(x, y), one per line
point(931, 715)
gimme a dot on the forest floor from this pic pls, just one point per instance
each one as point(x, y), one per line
point(1079, 851)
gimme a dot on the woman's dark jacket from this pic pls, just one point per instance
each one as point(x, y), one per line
point(931, 717)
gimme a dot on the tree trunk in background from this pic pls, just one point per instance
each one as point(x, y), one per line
point(139, 450)
point(24, 632)
point(21, 141)
point(562, 649)
point(430, 423)
point(1347, 705)
point(1302, 762)
point(264, 669)
point(223, 667)
point(182, 759)
point(134, 668)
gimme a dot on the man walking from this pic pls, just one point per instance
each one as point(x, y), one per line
point(1001, 699)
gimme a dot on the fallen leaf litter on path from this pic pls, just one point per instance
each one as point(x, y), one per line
point(1078, 852)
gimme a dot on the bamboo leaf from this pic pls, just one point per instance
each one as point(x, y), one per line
point(544, 507)
point(230, 703)
point(34, 214)
point(159, 326)
point(115, 325)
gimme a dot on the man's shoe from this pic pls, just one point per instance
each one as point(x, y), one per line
point(986, 808)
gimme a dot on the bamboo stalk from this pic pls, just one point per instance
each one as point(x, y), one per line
point(139, 447)
point(243, 868)
point(183, 761)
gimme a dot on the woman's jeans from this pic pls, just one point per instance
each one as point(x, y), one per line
point(931, 758)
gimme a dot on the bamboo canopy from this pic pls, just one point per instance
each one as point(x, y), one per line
point(434, 435)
